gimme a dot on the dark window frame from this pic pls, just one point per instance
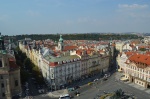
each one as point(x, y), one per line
point(1, 65)
point(16, 83)
point(2, 85)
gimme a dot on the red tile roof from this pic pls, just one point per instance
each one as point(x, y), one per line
point(142, 58)
point(12, 63)
point(130, 53)
point(148, 53)
point(69, 48)
point(79, 52)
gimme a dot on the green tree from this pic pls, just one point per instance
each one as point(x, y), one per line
point(118, 94)
point(38, 75)
point(142, 49)
point(24, 76)
point(27, 63)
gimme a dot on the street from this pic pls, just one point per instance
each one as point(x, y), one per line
point(110, 85)
point(100, 86)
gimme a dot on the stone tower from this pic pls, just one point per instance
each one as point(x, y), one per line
point(9, 73)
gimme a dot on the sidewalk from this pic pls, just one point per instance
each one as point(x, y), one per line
point(118, 76)
point(56, 94)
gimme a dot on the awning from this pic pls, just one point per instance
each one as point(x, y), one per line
point(123, 78)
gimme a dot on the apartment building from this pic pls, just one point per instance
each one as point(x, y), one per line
point(68, 61)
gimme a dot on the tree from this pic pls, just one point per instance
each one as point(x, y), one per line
point(24, 75)
point(27, 63)
point(38, 75)
point(118, 94)
point(142, 49)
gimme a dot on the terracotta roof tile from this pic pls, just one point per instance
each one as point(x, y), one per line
point(69, 48)
point(12, 63)
point(140, 58)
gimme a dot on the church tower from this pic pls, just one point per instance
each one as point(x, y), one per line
point(3, 54)
point(9, 73)
point(61, 43)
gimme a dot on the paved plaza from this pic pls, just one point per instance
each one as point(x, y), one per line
point(98, 88)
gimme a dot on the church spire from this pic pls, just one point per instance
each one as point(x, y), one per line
point(60, 39)
point(61, 43)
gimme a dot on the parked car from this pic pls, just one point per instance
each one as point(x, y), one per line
point(95, 80)
point(65, 96)
point(90, 83)
point(71, 89)
point(41, 90)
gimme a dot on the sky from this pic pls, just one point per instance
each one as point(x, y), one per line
point(73, 16)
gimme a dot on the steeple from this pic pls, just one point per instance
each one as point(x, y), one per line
point(34, 44)
point(110, 42)
point(61, 43)
point(10, 45)
point(60, 39)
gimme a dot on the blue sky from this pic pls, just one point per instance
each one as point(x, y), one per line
point(73, 16)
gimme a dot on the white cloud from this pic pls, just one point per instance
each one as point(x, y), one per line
point(133, 6)
point(134, 10)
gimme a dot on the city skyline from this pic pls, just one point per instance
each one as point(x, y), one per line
point(69, 16)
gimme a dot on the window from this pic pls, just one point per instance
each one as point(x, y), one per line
point(16, 82)
point(0, 62)
point(2, 85)
point(3, 94)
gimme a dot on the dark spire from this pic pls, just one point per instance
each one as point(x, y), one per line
point(2, 42)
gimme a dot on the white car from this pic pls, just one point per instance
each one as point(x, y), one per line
point(27, 89)
point(41, 90)
point(95, 80)
point(65, 96)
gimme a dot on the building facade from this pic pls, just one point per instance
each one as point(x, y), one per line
point(65, 63)
point(136, 67)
